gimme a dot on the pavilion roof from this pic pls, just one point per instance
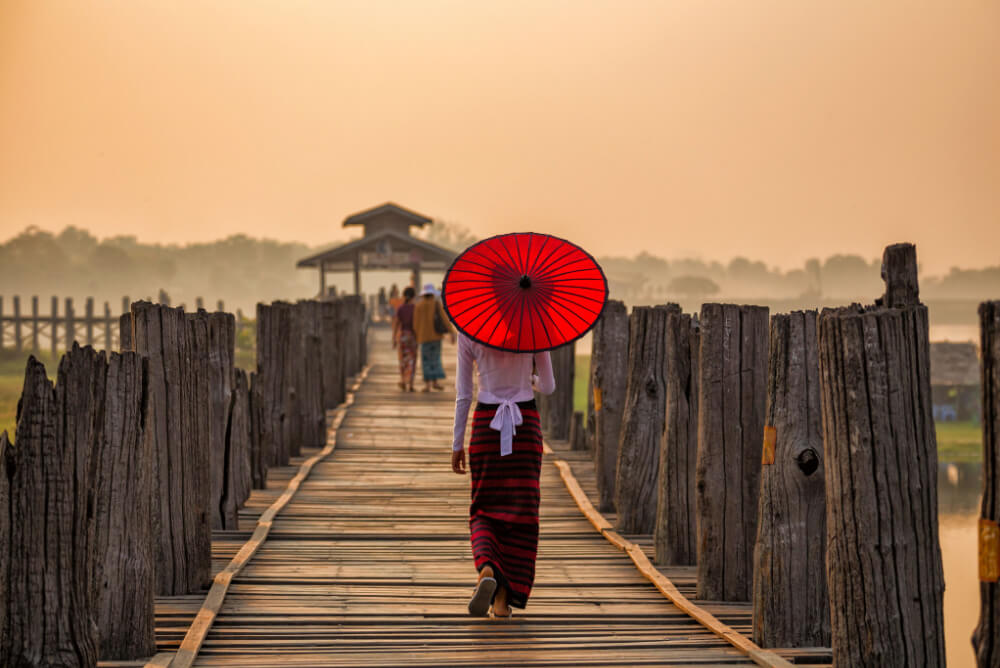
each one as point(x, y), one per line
point(345, 253)
point(361, 217)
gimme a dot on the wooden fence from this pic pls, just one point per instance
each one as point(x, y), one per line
point(734, 443)
point(125, 466)
point(23, 327)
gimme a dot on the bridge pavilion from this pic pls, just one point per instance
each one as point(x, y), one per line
point(386, 245)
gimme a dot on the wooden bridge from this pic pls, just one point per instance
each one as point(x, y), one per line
point(369, 564)
point(174, 510)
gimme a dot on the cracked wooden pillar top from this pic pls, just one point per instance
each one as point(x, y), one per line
point(884, 571)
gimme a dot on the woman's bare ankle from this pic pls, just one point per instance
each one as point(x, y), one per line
point(487, 572)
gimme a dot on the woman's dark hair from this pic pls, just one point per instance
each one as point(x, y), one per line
point(409, 293)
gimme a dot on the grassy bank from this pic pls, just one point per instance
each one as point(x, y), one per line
point(960, 441)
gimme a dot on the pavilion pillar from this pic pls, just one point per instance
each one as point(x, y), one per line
point(416, 276)
point(357, 274)
point(322, 280)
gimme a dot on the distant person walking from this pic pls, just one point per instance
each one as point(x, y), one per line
point(404, 339)
point(430, 324)
point(395, 299)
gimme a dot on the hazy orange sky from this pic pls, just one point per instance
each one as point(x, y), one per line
point(772, 129)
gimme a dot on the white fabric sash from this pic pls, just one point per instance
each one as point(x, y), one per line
point(508, 415)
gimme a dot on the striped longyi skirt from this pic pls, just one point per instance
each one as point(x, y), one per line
point(503, 516)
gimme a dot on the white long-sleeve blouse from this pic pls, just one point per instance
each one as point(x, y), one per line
point(505, 378)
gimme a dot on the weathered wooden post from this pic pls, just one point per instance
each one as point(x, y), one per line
point(70, 335)
point(589, 419)
point(126, 304)
point(675, 537)
point(642, 420)
point(790, 603)
point(332, 342)
point(124, 585)
point(609, 375)
point(18, 339)
point(199, 303)
point(34, 324)
point(293, 377)
point(273, 367)
point(108, 341)
point(6, 454)
point(215, 336)
point(310, 373)
point(556, 409)
point(578, 432)
point(354, 320)
point(50, 613)
point(88, 310)
point(732, 395)
point(986, 639)
point(178, 427)
point(54, 327)
point(884, 570)
point(260, 436)
point(237, 459)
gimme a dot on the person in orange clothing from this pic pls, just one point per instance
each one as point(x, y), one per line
point(430, 324)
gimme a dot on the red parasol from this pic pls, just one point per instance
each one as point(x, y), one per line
point(524, 292)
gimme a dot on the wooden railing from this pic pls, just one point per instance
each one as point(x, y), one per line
point(23, 326)
point(788, 462)
point(121, 470)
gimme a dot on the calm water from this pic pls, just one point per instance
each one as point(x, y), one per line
point(959, 490)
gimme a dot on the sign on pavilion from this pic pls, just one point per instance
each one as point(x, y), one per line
point(386, 245)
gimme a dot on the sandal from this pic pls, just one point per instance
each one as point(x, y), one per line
point(482, 597)
point(494, 615)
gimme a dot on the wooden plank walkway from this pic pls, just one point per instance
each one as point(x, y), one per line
point(370, 564)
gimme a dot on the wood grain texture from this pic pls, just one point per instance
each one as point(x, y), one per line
point(662, 583)
point(260, 435)
point(50, 612)
point(578, 432)
point(899, 271)
point(556, 409)
point(195, 637)
point(883, 558)
point(237, 476)
point(353, 317)
point(638, 464)
point(674, 536)
point(310, 372)
point(986, 639)
point(177, 425)
point(125, 577)
point(609, 376)
point(791, 605)
point(6, 470)
point(732, 395)
point(273, 329)
point(333, 331)
point(219, 354)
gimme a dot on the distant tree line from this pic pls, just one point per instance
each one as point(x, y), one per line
point(242, 270)
point(74, 263)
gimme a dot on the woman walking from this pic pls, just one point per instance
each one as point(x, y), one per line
point(405, 340)
point(431, 325)
point(505, 458)
point(513, 297)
